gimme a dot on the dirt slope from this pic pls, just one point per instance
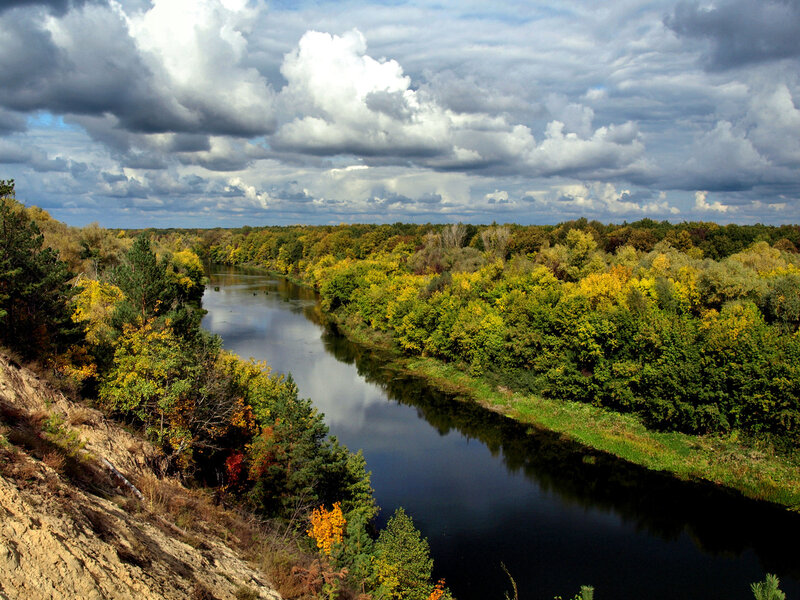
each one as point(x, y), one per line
point(69, 528)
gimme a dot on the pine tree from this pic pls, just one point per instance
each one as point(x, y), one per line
point(143, 281)
point(34, 284)
point(403, 560)
point(768, 589)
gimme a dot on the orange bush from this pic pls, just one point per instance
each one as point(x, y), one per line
point(327, 527)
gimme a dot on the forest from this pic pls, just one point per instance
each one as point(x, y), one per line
point(690, 328)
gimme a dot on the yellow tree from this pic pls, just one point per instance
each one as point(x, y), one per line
point(327, 527)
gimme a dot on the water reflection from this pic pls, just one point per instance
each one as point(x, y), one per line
point(652, 501)
point(485, 489)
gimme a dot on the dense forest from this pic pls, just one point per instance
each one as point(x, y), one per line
point(690, 327)
point(693, 327)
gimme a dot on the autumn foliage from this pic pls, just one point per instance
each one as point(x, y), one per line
point(126, 330)
point(439, 591)
point(693, 327)
point(327, 527)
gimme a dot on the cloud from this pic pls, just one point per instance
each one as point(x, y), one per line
point(572, 112)
point(605, 198)
point(701, 204)
point(56, 6)
point(257, 198)
point(131, 188)
point(741, 32)
point(773, 123)
point(351, 103)
point(497, 197)
point(13, 153)
point(611, 148)
point(575, 117)
point(177, 67)
point(82, 63)
point(354, 104)
point(471, 93)
point(724, 159)
point(11, 122)
point(197, 49)
point(222, 154)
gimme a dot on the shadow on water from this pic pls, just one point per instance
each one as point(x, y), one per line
point(721, 522)
point(711, 539)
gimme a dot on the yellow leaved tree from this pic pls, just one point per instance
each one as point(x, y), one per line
point(327, 527)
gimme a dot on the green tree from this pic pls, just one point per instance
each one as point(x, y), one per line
point(172, 286)
point(34, 284)
point(294, 465)
point(144, 282)
point(403, 561)
point(782, 304)
point(152, 381)
point(768, 589)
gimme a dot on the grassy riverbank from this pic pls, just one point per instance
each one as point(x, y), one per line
point(752, 468)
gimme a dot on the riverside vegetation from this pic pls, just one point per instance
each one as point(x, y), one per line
point(673, 346)
point(546, 322)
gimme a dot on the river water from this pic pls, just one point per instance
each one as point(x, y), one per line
point(485, 491)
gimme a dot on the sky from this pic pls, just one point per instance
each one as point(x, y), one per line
point(203, 113)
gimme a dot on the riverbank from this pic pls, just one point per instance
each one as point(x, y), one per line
point(756, 470)
point(555, 512)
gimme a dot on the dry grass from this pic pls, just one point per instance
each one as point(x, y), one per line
point(196, 514)
point(54, 460)
point(245, 593)
point(21, 468)
point(82, 415)
point(201, 592)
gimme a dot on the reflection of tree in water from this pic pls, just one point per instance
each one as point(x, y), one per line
point(720, 522)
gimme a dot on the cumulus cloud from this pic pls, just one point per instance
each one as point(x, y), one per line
point(351, 103)
point(605, 198)
point(82, 63)
point(255, 196)
point(725, 159)
point(773, 123)
point(223, 108)
point(497, 197)
point(177, 67)
point(197, 50)
point(702, 204)
point(575, 117)
point(609, 148)
point(741, 32)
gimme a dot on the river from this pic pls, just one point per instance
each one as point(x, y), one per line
point(485, 490)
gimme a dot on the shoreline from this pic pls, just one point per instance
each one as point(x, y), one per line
point(754, 470)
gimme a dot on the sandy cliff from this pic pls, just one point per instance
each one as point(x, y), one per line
point(69, 527)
